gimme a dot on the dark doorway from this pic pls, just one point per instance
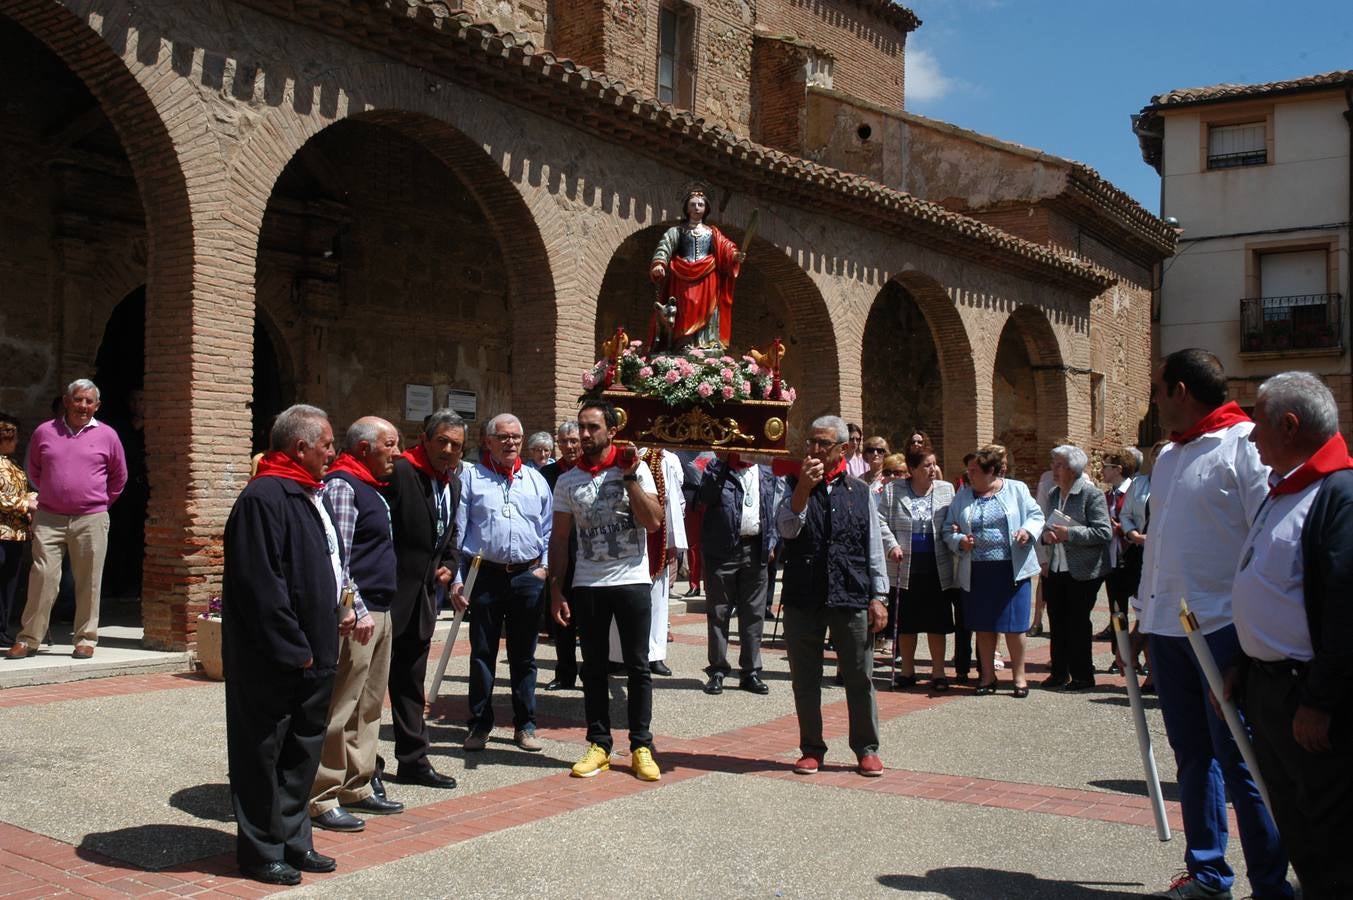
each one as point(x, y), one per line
point(271, 393)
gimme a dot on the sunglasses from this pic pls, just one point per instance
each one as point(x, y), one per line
point(894, 473)
point(879, 450)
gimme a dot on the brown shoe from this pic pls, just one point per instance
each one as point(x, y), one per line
point(476, 740)
point(83, 651)
point(20, 650)
point(527, 740)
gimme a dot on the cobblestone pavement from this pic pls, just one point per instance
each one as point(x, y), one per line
point(117, 786)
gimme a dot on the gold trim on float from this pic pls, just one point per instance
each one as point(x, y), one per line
point(696, 426)
point(622, 418)
point(775, 428)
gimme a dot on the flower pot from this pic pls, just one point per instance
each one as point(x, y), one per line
point(209, 648)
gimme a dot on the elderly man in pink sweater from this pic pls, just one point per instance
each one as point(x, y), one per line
point(76, 464)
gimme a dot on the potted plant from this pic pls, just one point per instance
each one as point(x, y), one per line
point(209, 641)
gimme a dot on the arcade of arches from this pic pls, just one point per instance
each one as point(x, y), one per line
point(370, 233)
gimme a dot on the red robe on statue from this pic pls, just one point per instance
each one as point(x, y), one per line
point(701, 287)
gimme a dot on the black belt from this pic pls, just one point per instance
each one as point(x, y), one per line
point(509, 568)
point(1282, 667)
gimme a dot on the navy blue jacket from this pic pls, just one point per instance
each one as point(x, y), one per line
point(721, 493)
point(371, 562)
point(1327, 554)
point(279, 601)
point(828, 561)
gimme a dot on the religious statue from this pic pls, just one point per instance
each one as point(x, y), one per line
point(694, 267)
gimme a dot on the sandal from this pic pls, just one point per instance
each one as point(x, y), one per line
point(939, 684)
point(985, 689)
point(1021, 691)
point(903, 681)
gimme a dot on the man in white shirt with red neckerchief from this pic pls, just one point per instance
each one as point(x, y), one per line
point(1293, 619)
point(1208, 485)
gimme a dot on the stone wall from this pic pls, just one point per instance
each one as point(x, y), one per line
point(867, 49)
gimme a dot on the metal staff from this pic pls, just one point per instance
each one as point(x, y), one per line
point(1198, 642)
point(1134, 692)
point(455, 629)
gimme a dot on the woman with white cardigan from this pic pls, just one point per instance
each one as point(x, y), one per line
point(993, 526)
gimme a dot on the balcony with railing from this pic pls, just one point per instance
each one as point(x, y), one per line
point(1302, 322)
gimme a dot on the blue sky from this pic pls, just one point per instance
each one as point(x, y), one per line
point(1065, 76)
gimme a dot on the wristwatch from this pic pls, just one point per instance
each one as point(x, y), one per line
point(630, 477)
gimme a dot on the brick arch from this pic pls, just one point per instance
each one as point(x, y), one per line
point(774, 298)
point(958, 373)
point(1047, 376)
point(124, 66)
point(518, 216)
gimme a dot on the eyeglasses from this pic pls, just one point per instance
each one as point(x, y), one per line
point(894, 473)
point(508, 438)
point(819, 444)
point(882, 451)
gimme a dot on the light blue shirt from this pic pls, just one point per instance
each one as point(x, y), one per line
point(507, 523)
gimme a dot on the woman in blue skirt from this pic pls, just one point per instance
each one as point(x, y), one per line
point(993, 526)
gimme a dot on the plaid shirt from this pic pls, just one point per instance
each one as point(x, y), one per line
point(344, 503)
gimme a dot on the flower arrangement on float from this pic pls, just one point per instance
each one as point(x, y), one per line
point(688, 377)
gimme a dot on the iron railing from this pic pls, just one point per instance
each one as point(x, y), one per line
point(1235, 160)
point(1301, 322)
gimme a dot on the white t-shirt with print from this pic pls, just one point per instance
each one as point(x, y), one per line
point(612, 546)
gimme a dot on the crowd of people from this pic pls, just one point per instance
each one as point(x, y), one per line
point(336, 564)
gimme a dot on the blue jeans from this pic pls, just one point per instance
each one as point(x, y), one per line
point(514, 599)
point(1209, 765)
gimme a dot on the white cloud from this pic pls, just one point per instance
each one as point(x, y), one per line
point(924, 80)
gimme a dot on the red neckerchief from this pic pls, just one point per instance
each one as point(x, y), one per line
point(1330, 458)
point(594, 469)
point(735, 462)
point(1223, 416)
point(346, 462)
point(276, 464)
point(504, 471)
point(836, 472)
point(418, 458)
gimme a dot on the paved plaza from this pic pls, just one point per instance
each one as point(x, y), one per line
point(117, 786)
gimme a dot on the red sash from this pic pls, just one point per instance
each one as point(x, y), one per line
point(1223, 416)
point(418, 458)
point(1330, 458)
point(503, 470)
point(276, 464)
point(594, 469)
point(346, 462)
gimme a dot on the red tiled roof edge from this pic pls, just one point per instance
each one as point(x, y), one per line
point(1220, 92)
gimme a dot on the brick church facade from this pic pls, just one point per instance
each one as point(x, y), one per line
point(234, 205)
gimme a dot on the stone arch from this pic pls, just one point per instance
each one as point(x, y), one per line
point(103, 43)
point(937, 383)
point(1029, 389)
point(774, 298)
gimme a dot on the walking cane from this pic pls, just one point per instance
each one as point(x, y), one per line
point(770, 605)
point(1134, 692)
point(896, 596)
point(455, 630)
point(1228, 707)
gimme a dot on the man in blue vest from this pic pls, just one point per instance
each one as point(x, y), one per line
point(353, 487)
point(834, 579)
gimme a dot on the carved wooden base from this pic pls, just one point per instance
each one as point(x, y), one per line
point(750, 426)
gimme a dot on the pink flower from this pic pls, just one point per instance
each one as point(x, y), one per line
point(705, 389)
point(589, 381)
point(673, 376)
point(646, 372)
point(726, 375)
point(753, 369)
point(697, 352)
point(746, 387)
point(789, 394)
point(728, 392)
point(727, 359)
point(636, 343)
point(685, 367)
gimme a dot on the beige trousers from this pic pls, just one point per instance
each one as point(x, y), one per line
point(350, 742)
point(86, 539)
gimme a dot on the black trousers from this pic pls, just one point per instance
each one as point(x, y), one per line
point(962, 639)
point(274, 735)
point(1311, 792)
point(1069, 603)
point(631, 605)
point(11, 554)
point(513, 602)
point(408, 672)
point(738, 583)
point(1121, 583)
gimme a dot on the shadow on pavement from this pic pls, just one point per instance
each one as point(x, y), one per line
point(1168, 789)
point(154, 847)
point(970, 883)
point(1148, 702)
point(205, 801)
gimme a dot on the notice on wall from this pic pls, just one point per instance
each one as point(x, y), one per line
point(463, 403)
point(417, 402)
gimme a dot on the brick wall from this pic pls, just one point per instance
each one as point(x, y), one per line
point(902, 377)
point(778, 94)
point(576, 30)
point(868, 51)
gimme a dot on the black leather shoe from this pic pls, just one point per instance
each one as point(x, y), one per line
point(658, 667)
point(1054, 682)
point(337, 819)
point(753, 684)
point(378, 806)
point(314, 862)
point(378, 785)
point(715, 684)
point(557, 684)
point(1079, 684)
point(273, 873)
point(428, 777)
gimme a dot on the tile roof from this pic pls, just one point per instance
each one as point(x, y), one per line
point(1222, 92)
point(508, 65)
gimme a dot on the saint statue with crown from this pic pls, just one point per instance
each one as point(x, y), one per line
point(694, 268)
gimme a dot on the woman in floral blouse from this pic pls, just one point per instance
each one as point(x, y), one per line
point(13, 521)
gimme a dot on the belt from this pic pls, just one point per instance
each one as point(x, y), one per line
point(1282, 667)
point(509, 568)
